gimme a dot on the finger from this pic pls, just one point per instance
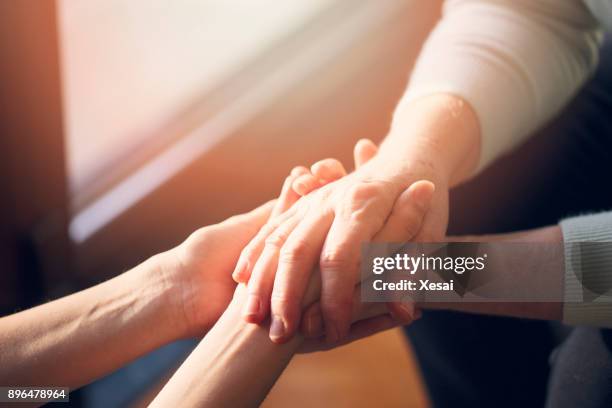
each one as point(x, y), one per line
point(328, 170)
point(297, 259)
point(257, 305)
point(368, 327)
point(298, 171)
point(367, 208)
point(322, 172)
point(359, 330)
point(403, 312)
point(252, 250)
point(364, 150)
point(305, 184)
point(286, 199)
point(403, 224)
point(312, 319)
point(287, 195)
point(436, 220)
point(408, 213)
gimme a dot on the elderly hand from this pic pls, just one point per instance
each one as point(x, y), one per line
point(327, 227)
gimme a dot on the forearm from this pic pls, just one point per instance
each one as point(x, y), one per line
point(540, 274)
point(235, 365)
point(515, 62)
point(76, 339)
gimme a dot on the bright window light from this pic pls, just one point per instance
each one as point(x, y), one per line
point(128, 67)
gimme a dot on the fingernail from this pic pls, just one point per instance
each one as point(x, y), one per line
point(252, 306)
point(314, 325)
point(277, 328)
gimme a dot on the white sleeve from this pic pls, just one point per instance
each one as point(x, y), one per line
point(516, 62)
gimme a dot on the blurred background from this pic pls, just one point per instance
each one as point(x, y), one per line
point(125, 125)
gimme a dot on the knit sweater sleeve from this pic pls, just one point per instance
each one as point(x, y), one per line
point(588, 270)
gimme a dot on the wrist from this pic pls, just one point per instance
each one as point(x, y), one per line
point(235, 356)
point(155, 281)
point(402, 165)
point(441, 132)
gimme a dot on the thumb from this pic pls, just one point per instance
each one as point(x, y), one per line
point(408, 213)
point(364, 150)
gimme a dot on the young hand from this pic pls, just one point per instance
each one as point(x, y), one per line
point(198, 271)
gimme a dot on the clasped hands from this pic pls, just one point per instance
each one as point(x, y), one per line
point(298, 257)
point(302, 267)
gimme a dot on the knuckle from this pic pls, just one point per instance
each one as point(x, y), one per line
point(335, 259)
point(364, 191)
point(363, 216)
point(366, 203)
point(276, 239)
point(266, 230)
point(295, 252)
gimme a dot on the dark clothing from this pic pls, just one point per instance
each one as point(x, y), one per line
point(483, 361)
